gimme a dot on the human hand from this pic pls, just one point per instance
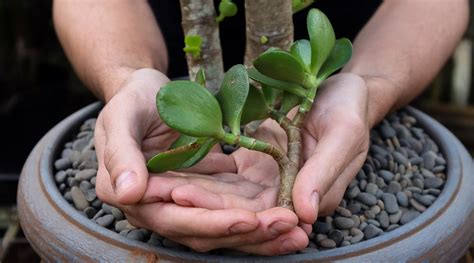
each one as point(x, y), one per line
point(335, 144)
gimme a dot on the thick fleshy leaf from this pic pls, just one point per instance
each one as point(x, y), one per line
point(181, 157)
point(301, 50)
point(340, 55)
point(183, 140)
point(289, 101)
point(255, 107)
point(271, 95)
point(322, 38)
point(200, 78)
point(188, 108)
point(277, 84)
point(232, 95)
point(280, 65)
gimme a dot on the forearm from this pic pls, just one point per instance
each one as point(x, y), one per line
point(403, 47)
point(107, 40)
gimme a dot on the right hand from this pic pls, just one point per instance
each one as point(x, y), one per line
point(128, 132)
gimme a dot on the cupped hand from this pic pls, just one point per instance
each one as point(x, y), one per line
point(335, 144)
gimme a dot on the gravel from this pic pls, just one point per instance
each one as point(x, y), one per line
point(402, 176)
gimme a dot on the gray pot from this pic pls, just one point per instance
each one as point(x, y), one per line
point(59, 233)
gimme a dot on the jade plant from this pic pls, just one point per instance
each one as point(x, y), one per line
point(279, 81)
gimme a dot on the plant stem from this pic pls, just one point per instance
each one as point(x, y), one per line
point(270, 19)
point(199, 18)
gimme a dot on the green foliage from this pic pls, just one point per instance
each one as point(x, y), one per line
point(301, 49)
point(188, 108)
point(280, 65)
point(289, 101)
point(193, 45)
point(263, 39)
point(340, 55)
point(183, 140)
point(255, 106)
point(181, 157)
point(226, 9)
point(299, 5)
point(232, 96)
point(200, 78)
point(271, 95)
point(277, 84)
point(322, 38)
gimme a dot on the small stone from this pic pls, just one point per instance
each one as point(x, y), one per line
point(85, 185)
point(80, 201)
point(90, 212)
point(343, 223)
point(381, 204)
point(373, 222)
point(380, 182)
point(386, 175)
point(367, 199)
point(86, 174)
point(343, 211)
point(124, 232)
point(328, 243)
point(371, 188)
point(409, 216)
point(337, 236)
point(93, 180)
point(91, 195)
point(413, 189)
point(107, 208)
point(75, 156)
point(429, 158)
point(440, 160)
point(439, 169)
point(320, 237)
point(356, 220)
point(345, 243)
point(392, 227)
point(99, 214)
point(427, 173)
point(433, 182)
point(400, 158)
point(136, 235)
point(60, 177)
point(354, 208)
point(308, 250)
point(416, 160)
point(369, 214)
point(390, 201)
point(393, 187)
point(362, 184)
point(352, 192)
point(321, 227)
point(417, 205)
point(88, 165)
point(372, 231)
point(423, 199)
point(71, 182)
point(80, 144)
point(435, 192)
point(97, 203)
point(418, 183)
point(402, 199)
point(118, 215)
point(122, 225)
point(62, 164)
point(383, 219)
point(395, 217)
point(371, 179)
point(356, 239)
point(375, 209)
point(361, 175)
point(387, 131)
point(67, 195)
point(105, 221)
point(62, 187)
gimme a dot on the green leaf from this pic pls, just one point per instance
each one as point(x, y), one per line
point(188, 108)
point(200, 77)
point(183, 140)
point(193, 45)
point(289, 101)
point(300, 5)
point(271, 95)
point(280, 65)
point(181, 157)
point(340, 55)
point(301, 49)
point(322, 38)
point(255, 106)
point(277, 84)
point(232, 95)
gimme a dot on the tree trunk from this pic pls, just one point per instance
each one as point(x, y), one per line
point(270, 21)
point(198, 18)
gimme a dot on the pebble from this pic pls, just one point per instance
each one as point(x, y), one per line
point(384, 219)
point(80, 144)
point(427, 173)
point(107, 208)
point(433, 182)
point(352, 192)
point(62, 164)
point(356, 220)
point(136, 235)
point(429, 158)
point(356, 239)
point(118, 215)
point(423, 199)
point(345, 243)
point(386, 175)
point(395, 218)
point(337, 236)
point(354, 208)
point(67, 195)
point(371, 188)
point(417, 205)
point(393, 187)
point(402, 199)
point(85, 185)
point(78, 198)
point(60, 177)
point(343, 223)
point(105, 220)
point(90, 195)
point(409, 216)
point(369, 214)
point(400, 158)
point(390, 201)
point(367, 199)
point(328, 243)
point(392, 227)
point(86, 174)
point(321, 227)
point(373, 222)
point(387, 131)
point(90, 212)
point(123, 225)
point(372, 231)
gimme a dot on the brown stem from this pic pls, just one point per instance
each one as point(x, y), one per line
point(270, 19)
point(198, 18)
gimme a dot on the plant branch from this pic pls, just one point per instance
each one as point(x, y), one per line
point(199, 18)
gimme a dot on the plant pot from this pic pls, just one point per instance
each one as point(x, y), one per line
point(60, 233)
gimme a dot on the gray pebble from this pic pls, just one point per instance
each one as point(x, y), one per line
point(86, 174)
point(321, 227)
point(423, 199)
point(372, 231)
point(80, 201)
point(393, 187)
point(91, 195)
point(429, 158)
point(136, 235)
point(320, 237)
point(440, 160)
point(379, 181)
point(124, 232)
point(90, 212)
point(74, 156)
point(387, 131)
point(400, 158)
point(85, 185)
point(122, 225)
point(371, 188)
point(427, 173)
point(373, 222)
point(62, 164)
point(345, 243)
point(107, 208)
point(67, 195)
point(356, 239)
point(408, 216)
point(390, 202)
point(383, 219)
point(62, 187)
point(395, 218)
point(375, 209)
point(327, 243)
point(413, 189)
point(379, 194)
point(386, 175)
point(361, 175)
point(402, 199)
point(118, 215)
point(369, 214)
point(392, 227)
point(97, 204)
point(352, 192)
point(433, 182)
point(337, 236)
point(105, 220)
point(417, 205)
point(435, 192)
point(65, 153)
point(60, 177)
point(354, 208)
point(416, 160)
point(370, 179)
point(356, 220)
point(88, 164)
point(367, 199)
point(307, 250)
point(80, 144)
point(343, 223)
point(362, 226)
point(438, 169)
point(99, 214)
point(418, 183)
point(93, 180)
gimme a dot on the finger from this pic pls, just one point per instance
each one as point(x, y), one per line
point(171, 220)
point(161, 187)
point(193, 195)
point(330, 157)
point(273, 223)
point(292, 241)
point(122, 155)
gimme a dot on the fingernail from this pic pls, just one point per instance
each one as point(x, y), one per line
point(315, 201)
point(279, 227)
point(288, 246)
point(241, 228)
point(124, 181)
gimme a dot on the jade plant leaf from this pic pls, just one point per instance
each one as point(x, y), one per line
point(277, 84)
point(232, 96)
point(200, 78)
point(280, 65)
point(271, 95)
point(193, 45)
point(183, 140)
point(255, 106)
point(301, 49)
point(322, 38)
point(181, 157)
point(188, 108)
point(340, 55)
point(289, 101)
